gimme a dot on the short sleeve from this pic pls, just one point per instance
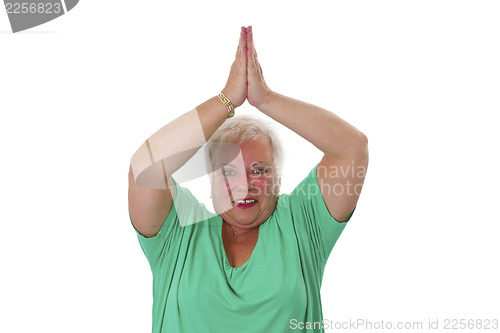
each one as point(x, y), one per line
point(312, 218)
point(186, 211)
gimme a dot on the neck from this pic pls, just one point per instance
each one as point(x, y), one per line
point(238, 234)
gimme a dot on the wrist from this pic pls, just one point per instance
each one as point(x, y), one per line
point(267, 101)
point(233, 96)
point(226, 101)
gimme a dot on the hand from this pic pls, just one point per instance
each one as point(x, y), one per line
point(258, 91)
point(236, 86)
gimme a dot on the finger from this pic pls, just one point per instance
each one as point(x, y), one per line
point(254, 68)
point(253, 72)
point(243, 39)
point(250, 42)
point(240, 42)
point(260, 69)
point(240, 52)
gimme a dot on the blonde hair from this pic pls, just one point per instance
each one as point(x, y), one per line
point(242, 129)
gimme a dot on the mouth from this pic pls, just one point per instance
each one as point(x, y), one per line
point(245, 203)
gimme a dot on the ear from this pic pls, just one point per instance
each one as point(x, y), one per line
point(277, 186)
point(277, 183)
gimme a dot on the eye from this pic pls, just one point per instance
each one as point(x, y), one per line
point(227, 173)
point(259, 171)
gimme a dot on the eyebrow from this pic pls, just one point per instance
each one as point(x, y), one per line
point(225, 164)
point(260, 162)
point(233, 166)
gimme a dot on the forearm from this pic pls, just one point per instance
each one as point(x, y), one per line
point(329, 133)
point(176, 143)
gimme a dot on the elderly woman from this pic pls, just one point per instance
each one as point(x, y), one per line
point(257, 264)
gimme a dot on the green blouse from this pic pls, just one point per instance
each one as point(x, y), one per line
point(195, 289)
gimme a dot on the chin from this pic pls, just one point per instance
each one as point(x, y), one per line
point(242, 218)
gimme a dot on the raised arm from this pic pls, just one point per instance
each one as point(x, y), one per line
point(341, 172)
point(150, 185)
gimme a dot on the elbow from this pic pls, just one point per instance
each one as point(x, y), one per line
point(360, 148)
point(363, 139)
point(364, 148)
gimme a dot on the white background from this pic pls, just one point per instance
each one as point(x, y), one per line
point(80, 94)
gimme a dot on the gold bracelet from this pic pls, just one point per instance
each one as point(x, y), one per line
point(227, 103)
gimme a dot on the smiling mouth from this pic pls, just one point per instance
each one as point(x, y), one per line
point(247, 201)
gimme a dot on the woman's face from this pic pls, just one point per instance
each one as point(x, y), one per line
point(244, 191)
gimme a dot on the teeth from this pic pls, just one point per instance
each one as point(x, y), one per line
point(245, 201)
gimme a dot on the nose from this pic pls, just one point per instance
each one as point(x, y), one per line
point(243, 183)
